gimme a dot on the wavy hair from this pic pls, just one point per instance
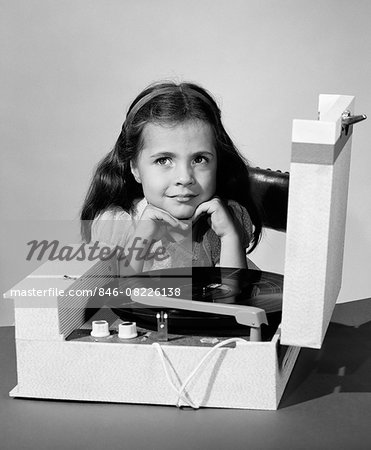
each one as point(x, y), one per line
point(113, 184)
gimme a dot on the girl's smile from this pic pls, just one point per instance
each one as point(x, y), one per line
point(183, 198)
point(177, 166)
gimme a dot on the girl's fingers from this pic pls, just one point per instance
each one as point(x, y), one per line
point(206, 208)
point(174, 222)
point(160, 214)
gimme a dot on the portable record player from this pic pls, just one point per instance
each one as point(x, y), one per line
point(64, 350)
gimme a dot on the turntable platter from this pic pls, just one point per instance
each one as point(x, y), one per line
point(208, 284)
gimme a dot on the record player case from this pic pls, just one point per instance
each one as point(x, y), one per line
point(244, 374)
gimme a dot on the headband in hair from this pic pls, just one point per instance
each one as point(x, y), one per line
point(162, 91)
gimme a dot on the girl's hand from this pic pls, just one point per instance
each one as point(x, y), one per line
point(232, 253)
point(221, 220)
point(154, 223)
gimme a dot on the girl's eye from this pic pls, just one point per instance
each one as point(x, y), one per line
point(163, 161)
point(200, 159)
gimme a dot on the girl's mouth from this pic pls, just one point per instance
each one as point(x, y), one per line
point(183, 198)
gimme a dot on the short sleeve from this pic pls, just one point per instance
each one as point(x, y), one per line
point(112, 227)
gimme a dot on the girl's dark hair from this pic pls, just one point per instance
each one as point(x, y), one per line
point(113, 184)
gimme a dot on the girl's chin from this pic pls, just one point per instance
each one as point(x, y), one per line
point(183, 213)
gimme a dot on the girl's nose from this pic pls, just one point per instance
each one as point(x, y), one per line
point(184, 175)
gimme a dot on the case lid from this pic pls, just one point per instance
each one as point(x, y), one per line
point(318, 192)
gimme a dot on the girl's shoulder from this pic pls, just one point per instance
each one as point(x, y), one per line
point(118, 213)
point(114, 213)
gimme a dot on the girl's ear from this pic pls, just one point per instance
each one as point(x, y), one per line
point(135, 172)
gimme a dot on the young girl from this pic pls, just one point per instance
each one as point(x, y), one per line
point(174, 191)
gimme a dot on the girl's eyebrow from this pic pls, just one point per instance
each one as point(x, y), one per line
point(165, 154)
point(162, 154)
point(203, 152)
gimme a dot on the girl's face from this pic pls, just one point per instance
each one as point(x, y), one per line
point(177, 166)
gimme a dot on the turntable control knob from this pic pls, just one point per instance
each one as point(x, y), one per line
point(128, 330)
point(100, 329)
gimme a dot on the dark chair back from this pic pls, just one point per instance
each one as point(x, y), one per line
point(270, 189)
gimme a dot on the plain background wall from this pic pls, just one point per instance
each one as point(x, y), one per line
point(70, 68)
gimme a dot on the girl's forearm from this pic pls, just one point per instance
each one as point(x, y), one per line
point(232, 253)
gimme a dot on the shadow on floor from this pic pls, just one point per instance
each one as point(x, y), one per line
point(343, 364)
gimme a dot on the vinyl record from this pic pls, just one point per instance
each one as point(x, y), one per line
point(206, 284)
